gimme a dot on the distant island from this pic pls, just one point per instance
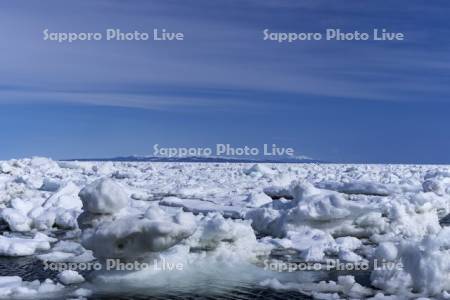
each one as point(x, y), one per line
point(203, 159)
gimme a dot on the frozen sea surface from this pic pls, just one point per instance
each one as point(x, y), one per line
point(235, 227)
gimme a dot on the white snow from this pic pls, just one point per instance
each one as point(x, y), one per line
point(16, 220)
point(257, 199)
point(260, 170)
point(17, 246)
point(70, 277)
point(5, 167)
point(12, 287)
point(104, 197)
point(133, 236)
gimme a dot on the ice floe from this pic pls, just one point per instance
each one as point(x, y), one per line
point(224, 223)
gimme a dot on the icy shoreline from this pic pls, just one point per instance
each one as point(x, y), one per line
point(227, 221)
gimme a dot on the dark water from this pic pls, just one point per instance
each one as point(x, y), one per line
point(238, 292)
point(30, 269)
point(33, 269)
point(445, 221)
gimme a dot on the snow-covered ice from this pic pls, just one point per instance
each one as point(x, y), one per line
point(103, 196)
point(227, 222)
point(68, 277)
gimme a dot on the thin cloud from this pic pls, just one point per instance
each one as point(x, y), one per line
point(223, 51)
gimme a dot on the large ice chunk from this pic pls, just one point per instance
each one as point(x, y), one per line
point(13, 287)
point(260, 169)
point(131, 236)
point(17, 246)
point(16, 220)
point(70, 277)
point(103, 196)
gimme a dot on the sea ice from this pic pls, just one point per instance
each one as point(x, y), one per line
point(103, 196)
point(134, 236)
point(223, 221)
point(68, 277)
point(18, 246)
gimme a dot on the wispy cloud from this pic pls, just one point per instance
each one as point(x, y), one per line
point(223, 51)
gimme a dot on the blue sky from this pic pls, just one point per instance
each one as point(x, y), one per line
point(337, 101)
